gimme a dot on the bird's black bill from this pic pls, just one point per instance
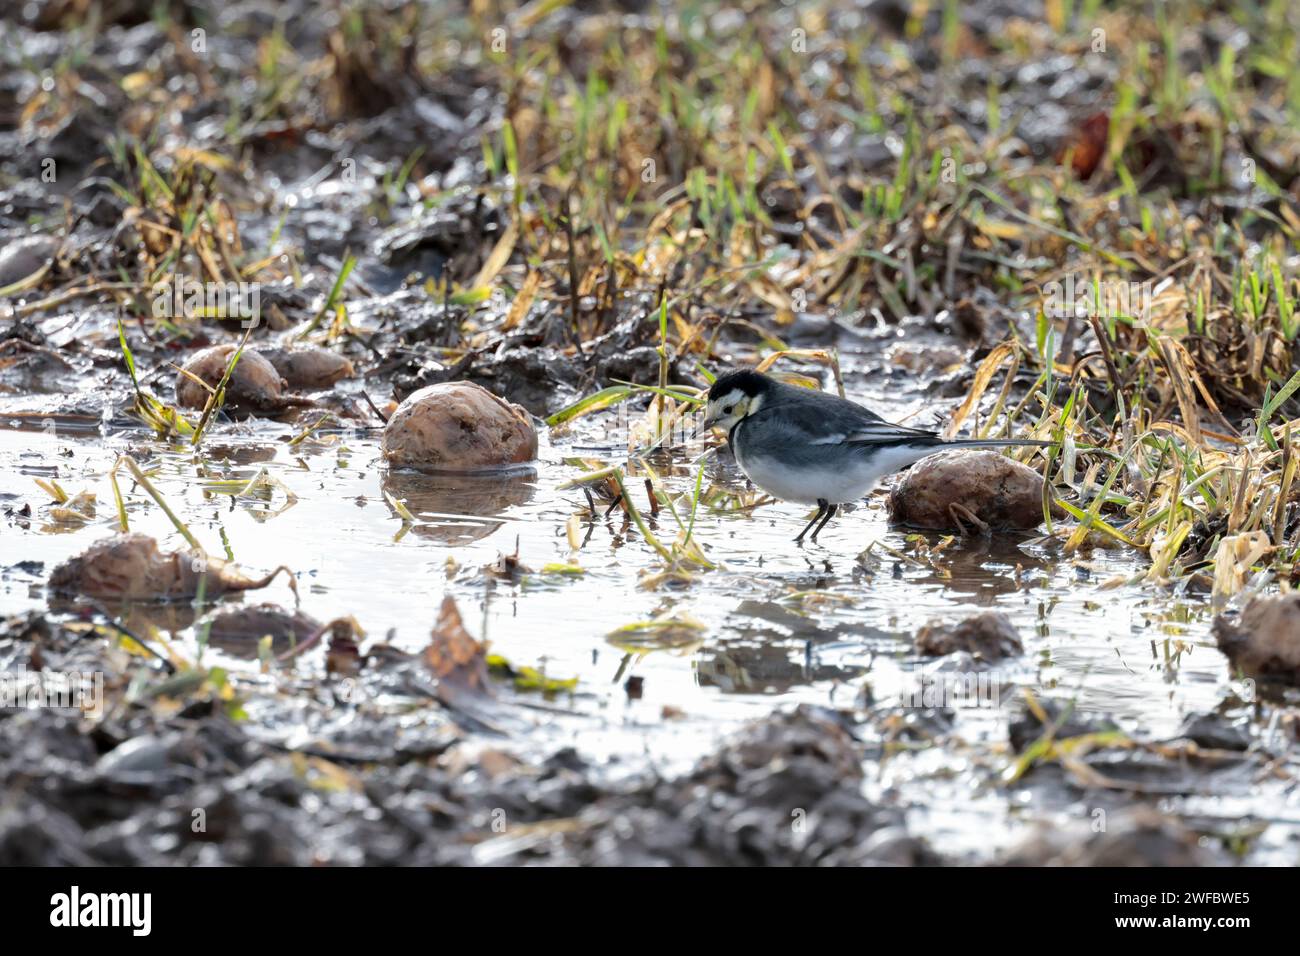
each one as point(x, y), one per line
point(705, 427)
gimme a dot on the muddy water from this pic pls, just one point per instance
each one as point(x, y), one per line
point(830, 623)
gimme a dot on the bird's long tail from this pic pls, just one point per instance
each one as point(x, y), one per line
point(994, 442)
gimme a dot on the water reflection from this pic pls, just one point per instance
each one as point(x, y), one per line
point(983, 567)
point(458, 509)
point(774, 668)
point(770, 647)
point(135, 617)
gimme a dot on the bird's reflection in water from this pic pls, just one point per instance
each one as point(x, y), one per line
point(457, 509)
point(768, 668)
point(769, 648)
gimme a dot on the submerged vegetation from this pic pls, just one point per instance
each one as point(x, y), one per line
point(266, 259)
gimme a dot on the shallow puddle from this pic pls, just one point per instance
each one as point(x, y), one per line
point(774, 624)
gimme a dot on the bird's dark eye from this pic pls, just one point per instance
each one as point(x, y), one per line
point(729, 409)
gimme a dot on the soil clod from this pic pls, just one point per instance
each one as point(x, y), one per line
point(968, 490)
point(458, 426)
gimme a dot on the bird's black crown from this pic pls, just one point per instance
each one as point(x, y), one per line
point(747, 380)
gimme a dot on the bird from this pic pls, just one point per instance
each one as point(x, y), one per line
point(812, 447)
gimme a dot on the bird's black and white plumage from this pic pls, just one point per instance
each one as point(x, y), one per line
point(812, 447)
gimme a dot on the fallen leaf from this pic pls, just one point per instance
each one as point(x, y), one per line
point(456, 659)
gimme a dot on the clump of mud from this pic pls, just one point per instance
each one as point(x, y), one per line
point(308, 366)
point(254, 384)
point(785, 791)
point(1264, 640)
point(968, 490)
point(989, 636)
point(458, 426)
point(238, 630)
point(261, 378)
point(131, 567)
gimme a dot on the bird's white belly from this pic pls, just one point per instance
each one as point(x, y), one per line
point(837, 485)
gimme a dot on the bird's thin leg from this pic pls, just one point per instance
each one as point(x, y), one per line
point(821, 509)
point(830, 513)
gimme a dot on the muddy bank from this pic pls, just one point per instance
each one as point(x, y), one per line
point(377, 764)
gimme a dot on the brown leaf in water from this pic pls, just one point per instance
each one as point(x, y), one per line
point(456, 659)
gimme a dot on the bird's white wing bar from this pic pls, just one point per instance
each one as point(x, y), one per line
point(887, 432)
point(880, 433)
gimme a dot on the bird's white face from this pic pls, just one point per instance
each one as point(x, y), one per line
point(723, 412)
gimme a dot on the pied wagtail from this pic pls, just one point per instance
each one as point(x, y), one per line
point(812, 447)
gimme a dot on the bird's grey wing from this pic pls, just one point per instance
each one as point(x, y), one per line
point(836, 421)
